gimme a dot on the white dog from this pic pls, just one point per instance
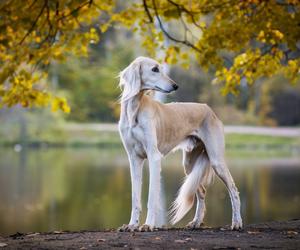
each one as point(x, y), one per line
point(150, 130)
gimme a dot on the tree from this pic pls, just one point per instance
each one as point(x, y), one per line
point(279, 103)
point(240, 40)
point(90, 83)
point(35, 32)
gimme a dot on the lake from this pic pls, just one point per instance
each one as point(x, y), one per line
point(89, 189)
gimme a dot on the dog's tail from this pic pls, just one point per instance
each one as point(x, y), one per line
point(201, 174)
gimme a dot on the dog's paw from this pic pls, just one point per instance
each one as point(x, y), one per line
point(146, 228)
point(193, 225)
point(128, 228)
point(237, 224)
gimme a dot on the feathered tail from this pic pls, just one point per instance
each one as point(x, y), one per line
point(202, 173)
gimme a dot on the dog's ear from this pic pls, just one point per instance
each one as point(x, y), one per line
point(130, 80)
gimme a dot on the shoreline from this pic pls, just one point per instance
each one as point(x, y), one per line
point(275, 234)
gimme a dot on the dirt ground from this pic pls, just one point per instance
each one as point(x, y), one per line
point(272, 235)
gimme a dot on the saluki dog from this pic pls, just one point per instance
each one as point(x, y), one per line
point(150, 130)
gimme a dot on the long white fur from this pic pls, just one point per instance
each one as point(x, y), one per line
point(201, 175)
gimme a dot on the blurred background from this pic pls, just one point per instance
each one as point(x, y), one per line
point(70, 172)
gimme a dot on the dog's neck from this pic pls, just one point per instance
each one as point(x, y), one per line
point(129, 109)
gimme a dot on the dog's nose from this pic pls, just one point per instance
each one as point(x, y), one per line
point(175, 86)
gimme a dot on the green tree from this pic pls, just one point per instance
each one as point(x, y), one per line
point(279, 103)
point(90, 83)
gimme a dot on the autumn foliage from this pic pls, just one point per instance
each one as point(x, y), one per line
point(34, 33)
point(240, 40)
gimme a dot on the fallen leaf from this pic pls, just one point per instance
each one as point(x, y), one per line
point(180, 241)
point(188, 239)
point(157, 238)
point(83, 248)
point(58, 232)
point(253, 232)
point(3, 244)
point(32, 235)
point(292, 232)
point(101, 240)
point(226, 247)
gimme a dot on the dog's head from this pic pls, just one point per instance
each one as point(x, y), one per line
point(145, 74)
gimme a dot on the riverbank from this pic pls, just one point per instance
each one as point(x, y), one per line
point(275, 235)
point(281, 141)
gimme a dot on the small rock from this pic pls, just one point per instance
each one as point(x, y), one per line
point(3, 244)
point(101, 240)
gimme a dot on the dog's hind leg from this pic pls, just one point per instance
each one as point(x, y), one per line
point(194, 162)
point(200, 209)
point(189, 160)
point(211, 133)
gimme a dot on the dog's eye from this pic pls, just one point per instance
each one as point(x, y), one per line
point(155, 69)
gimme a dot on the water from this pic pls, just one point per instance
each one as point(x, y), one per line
point(89, 189)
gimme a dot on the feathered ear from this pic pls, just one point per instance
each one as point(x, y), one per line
point(130, 81)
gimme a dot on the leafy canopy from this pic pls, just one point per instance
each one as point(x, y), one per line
point(35, 32)
point(241, 40)
point(245, 39)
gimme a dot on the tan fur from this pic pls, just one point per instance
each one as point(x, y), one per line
point(150, 130)
point(174, 121)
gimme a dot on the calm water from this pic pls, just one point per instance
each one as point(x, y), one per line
point(75, 189)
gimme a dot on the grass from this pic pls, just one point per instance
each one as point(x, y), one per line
point(240, 139)
point(247, 145)
point(240, 144)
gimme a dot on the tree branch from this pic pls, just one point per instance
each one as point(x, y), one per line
point(76, 9)
point(35, 22)
point(185, 42)
point(147, 11)
point(190, 13)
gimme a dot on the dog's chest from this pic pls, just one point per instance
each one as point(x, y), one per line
point(134, 137)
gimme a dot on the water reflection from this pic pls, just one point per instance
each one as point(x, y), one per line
point(75, 189)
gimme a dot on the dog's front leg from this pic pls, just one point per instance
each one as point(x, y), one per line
point(154, 192)
point(136, 173)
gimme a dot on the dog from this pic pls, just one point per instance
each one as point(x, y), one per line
point(150, 130)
